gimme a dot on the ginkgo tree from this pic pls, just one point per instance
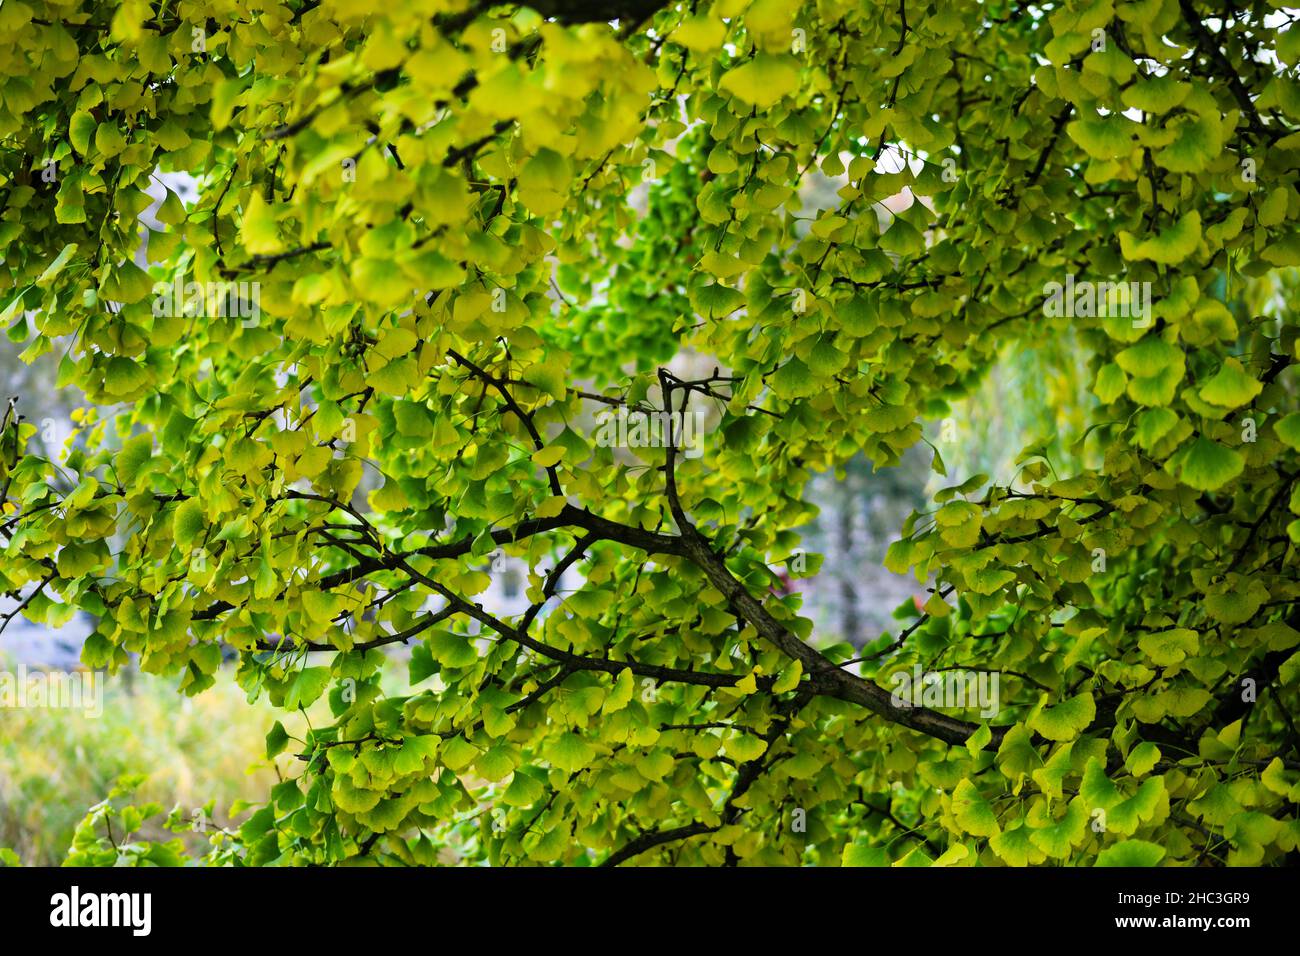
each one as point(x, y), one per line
point(435, 244)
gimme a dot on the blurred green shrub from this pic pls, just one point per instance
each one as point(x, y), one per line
point(200, 754)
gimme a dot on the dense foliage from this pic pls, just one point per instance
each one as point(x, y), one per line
point(476, 230)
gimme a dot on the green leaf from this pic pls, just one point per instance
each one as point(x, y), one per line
point(187, 522)
point(1170, 247)
point(1156, 94)
point(1230, 387)
point(620, 694)
point(1015, 847)
point(321, 606)
point(258, 229)
point(56, 265)
point(861, 854)
point(383, 282)
point(307, 687)
point(1142, 758)
point(716, 301)
point(1287, 429)
point(794, 380)
point(1103, 137)
point(458, 753)
point(763, 80)
point(570, 752)
point(1110, 382)
point(1131, 853)
point(495, 764)
point(80, 129)
point(452, 650)
point(972, 812)
point(276, 740)
point(1066, 720)
point(1207, 466)
point(744, 747)
point(1150, 356)
point(137, 451)
point(1169, 647)
point(1153, 425)
point(523, 790)
point(1057, 839)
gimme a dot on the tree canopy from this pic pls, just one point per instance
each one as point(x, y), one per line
point(438, 245)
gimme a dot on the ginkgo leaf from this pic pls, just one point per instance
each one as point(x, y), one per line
point(700, 33)
point(1273, 210)
point(570, 752)
point(1196, 139)
point(1058, 839)
point(1014, 846)
point(762, 80)
point(1154, 424)
point(1207, 465)
point(523, 791)
point(856, 854)
point(136, 454)
point(80, 130)
point(258, 228)
point(1131, 853)
point(1170, 246)
point(1110, 382)
point(1066, 720)
point(1142, 758)
point(1170, 646)
point(382, 281)
point(457, 753)
point(187, 522)
point(1156, 94)
point(548, 456)
point(321, 606)
point(1287, 428)
point(56, 265)
point(716, 300)
point(307, 686)
point(973, 813)
point(744, 747)
point(495, 764)
point(452, 650)
point(1149, 357)
point(108, 139)
point(1230, 386)
point(794, 380)
point(1109, 137)
point(621, 693)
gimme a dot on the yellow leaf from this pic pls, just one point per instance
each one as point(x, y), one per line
point(552, 506)
point(548, 456)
